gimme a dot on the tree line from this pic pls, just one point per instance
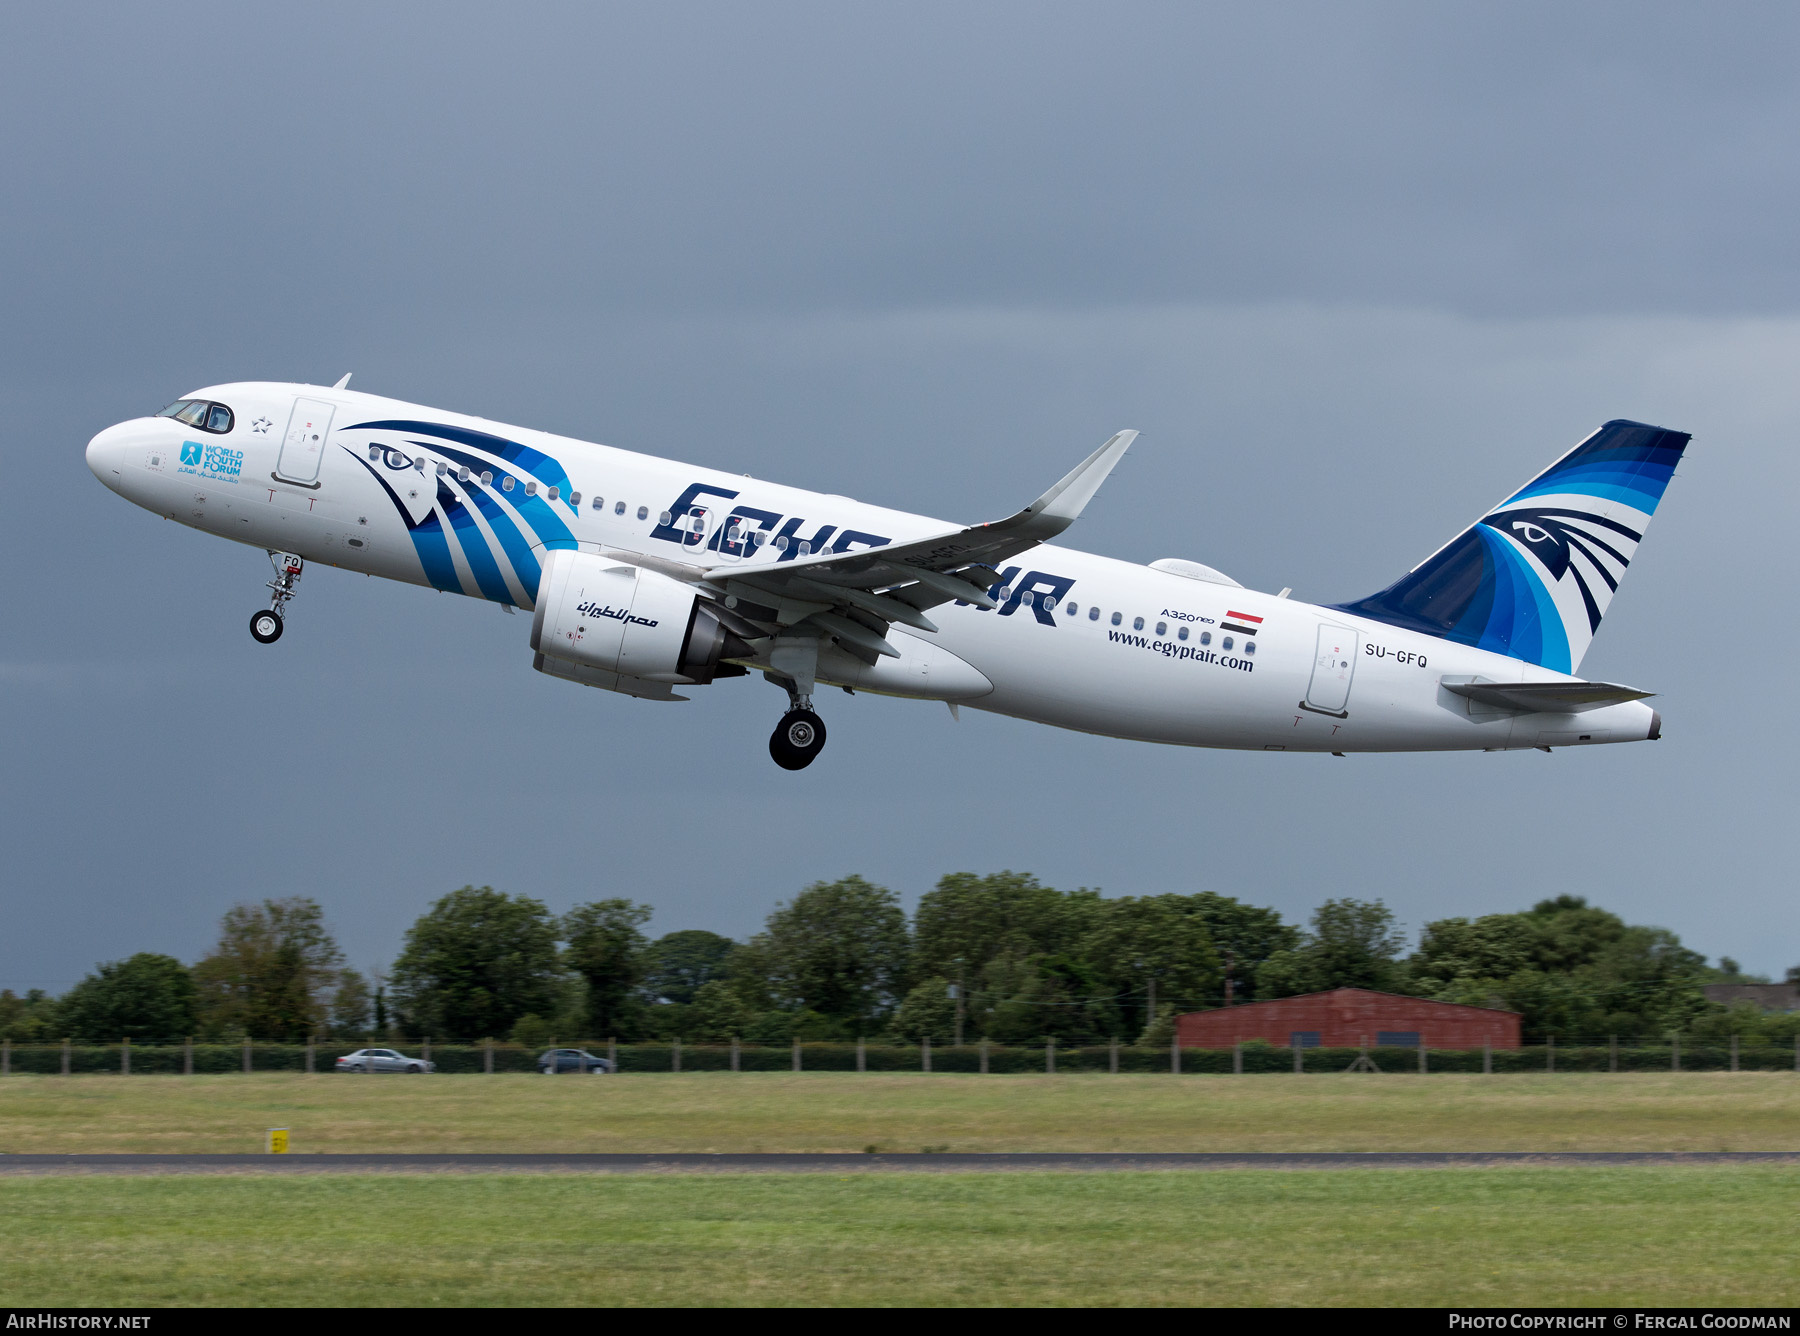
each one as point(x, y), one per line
point(999, 957)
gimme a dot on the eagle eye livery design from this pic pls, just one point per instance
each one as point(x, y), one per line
point(642, 575)
point(1532, 578)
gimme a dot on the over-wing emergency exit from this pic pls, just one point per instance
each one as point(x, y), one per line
point(644, 575)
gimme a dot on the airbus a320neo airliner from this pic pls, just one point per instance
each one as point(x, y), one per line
point(644, 575)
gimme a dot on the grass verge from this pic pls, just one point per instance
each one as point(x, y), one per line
point(1671, 1237)
point(848, 1112)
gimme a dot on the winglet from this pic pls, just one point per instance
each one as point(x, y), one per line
point(1058, 508)
point(345, 381)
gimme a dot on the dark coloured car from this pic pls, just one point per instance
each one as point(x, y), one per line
point(555, 1060)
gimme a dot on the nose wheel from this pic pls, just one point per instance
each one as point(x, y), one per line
point(797, 740)
point(266, 626)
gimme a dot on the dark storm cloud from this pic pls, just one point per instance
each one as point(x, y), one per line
point(390, 163)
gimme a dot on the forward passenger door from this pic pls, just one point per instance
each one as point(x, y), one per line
point(303, 448)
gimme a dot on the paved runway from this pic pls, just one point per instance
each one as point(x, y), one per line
point(1054, 1162)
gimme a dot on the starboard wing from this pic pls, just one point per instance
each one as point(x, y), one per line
point(853, 597)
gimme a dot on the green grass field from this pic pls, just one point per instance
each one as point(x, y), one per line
point(1358, 1237)
point(848, 1112)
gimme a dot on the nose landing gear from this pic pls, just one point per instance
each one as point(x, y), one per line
point(267, 626)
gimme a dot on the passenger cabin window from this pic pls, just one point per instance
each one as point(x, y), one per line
point(643, 512)
point(598, 503)
point(1162, 628)
point(619, 509)
point(1225, 644)
point(1094, 613)
point(505, 483)
point(1181, 633)
point(1249, 647)
point(1206, 637)
point(1137, 623)
point(200, 414)
point(1117, 618)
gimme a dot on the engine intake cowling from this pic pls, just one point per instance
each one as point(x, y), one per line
point(602, 614)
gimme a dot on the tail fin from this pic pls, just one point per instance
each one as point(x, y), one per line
point(1532, 578)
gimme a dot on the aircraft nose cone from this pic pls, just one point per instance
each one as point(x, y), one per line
point(106, 452)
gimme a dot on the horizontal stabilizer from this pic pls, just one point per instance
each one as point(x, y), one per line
point(1544, 697)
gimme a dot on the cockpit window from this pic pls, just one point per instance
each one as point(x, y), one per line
point(190, 411)
point(199, 413)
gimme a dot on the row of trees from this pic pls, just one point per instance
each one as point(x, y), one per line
point(275, 973)
point(1001, 957)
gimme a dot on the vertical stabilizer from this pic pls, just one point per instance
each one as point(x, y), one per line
point(1532, 578)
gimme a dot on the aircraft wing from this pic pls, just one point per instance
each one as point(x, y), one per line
point(853, 597)
point(1545, 697)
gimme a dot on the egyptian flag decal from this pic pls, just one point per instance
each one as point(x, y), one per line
point(1235, 622)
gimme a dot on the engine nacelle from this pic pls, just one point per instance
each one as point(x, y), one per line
point(602, 614)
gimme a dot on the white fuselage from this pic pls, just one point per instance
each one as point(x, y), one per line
point(1109, 656)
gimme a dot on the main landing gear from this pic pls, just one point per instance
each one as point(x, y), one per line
point(266, 626)
point(799, 737)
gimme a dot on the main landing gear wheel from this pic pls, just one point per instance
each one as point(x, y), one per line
point(797, 740)
point(266, 626)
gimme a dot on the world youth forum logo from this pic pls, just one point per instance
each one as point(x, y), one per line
point(211, 461)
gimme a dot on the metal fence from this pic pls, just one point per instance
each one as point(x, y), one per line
point(187, 1057)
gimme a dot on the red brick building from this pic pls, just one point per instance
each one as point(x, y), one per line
point(1349, 1018)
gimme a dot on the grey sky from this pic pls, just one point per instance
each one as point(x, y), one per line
point(1354, 271)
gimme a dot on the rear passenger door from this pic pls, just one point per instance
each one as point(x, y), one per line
point(1334, 664)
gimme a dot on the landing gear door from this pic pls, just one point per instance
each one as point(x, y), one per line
point(1334, 664)
point(303, 447)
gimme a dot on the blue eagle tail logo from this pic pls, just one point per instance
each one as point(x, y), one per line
point(1532, 578)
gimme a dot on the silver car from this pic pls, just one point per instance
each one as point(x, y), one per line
point(382, 1060)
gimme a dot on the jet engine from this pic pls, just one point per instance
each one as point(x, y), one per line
point(598, 614)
